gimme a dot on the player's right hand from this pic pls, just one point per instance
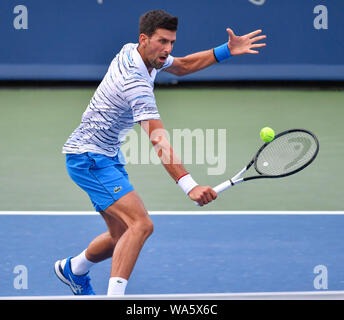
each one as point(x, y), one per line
point(202, 195)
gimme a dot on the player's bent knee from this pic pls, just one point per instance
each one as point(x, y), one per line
point(144, 227)
point(147, 227)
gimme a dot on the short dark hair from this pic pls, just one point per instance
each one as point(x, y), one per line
point(157, 19)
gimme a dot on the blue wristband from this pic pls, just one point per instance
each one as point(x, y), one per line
point(222, 52)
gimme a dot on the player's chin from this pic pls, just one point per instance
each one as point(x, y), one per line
point(159, 63)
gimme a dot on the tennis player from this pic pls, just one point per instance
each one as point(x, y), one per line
point(94, 160)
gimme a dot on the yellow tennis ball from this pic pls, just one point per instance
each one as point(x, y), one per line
point(267, 134)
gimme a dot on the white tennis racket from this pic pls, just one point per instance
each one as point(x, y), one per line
point(288, 153)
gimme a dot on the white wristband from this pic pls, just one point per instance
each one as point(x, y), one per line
point(187, 183)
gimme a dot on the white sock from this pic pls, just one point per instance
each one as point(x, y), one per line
point(80, 264)
point(117, 286)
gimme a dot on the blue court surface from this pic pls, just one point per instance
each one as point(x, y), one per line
point(215, 252)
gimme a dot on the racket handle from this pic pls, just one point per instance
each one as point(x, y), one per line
point(223, 186)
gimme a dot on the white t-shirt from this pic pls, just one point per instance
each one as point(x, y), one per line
point(125, 96)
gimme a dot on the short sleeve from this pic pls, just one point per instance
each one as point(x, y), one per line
point(142, 102)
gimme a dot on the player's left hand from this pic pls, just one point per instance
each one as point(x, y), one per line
point(244, 44)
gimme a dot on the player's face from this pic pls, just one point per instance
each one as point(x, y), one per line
point(158, 47)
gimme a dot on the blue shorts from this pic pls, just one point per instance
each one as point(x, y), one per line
point(103, 178)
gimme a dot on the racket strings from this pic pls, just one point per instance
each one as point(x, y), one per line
point(287, 153)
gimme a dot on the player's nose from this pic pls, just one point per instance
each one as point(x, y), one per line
point(169, 47)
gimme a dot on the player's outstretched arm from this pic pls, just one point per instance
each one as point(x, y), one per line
point(173, 165)
point(236, 45)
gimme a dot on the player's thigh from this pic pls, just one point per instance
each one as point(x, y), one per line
point(130, 210)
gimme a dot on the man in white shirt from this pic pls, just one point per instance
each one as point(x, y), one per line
point(93, 158)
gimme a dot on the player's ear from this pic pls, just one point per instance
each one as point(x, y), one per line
point(143, 38)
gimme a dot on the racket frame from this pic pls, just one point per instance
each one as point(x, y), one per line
point(237, 178)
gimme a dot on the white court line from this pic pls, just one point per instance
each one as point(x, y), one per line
point(293, 295)
point(93, 213)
